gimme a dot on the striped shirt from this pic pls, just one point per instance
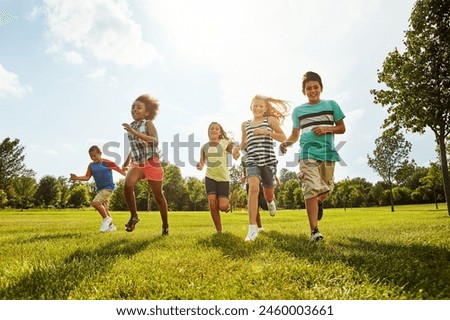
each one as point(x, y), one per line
point(260, 150)
point(141, 151)
point(307, 116)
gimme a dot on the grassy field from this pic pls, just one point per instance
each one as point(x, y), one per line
point(368, 253)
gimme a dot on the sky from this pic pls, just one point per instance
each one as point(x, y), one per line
point(70, 70)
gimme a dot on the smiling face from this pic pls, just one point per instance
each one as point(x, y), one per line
point(214, 131)
point(139, 111)
point(95, 156)
point(259, 108)
point(312, 90)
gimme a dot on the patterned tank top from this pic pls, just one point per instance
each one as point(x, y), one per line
point(260, 150)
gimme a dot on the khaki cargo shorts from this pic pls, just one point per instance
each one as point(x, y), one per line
point(103, 197)
point(316, 177)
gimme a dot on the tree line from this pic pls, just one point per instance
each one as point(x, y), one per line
point(410, 184)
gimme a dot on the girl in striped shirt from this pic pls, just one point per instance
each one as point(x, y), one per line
point(257, 140)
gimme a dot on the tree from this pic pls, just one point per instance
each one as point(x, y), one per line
point(289, 194)
point(197, 194)
point(48, 192)
point(65, 191)
point(3, 198)
point(390, 152)
point(117, 201)
point(174, 187)
point(286, 175)
point(418, 80)
point(22, 189)
point(235, 185)
point(11, 161)
point(79, 196)
point(433, 180)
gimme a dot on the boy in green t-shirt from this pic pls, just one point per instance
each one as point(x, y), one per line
point(319, 120)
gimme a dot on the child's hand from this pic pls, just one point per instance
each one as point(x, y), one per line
point(320, 130)
point(73, 177)
point(127, 127)
point(283, 147)
point(236, 153)
point(200, 166)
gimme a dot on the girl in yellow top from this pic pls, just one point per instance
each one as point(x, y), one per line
point(215, 154)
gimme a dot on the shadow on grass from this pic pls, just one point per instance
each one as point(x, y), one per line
point(46, 237)
point(422, 271)
point(57, 281)
point(232, 247)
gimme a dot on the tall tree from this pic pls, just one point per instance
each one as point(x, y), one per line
point(48, 192)
point(389, 155)
point(197, 194)
point(11, 161)
point(433, 180)
point(65, 191)
point(174, 187)
point(22, 189)
point(418, 80)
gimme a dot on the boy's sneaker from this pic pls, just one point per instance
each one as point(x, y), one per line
point(252, 233)
point(260, 229)
point(165, 232)
point(105, 224)
point(111, 228)
point(316, 236)
point(320, 211)
point(272, 208)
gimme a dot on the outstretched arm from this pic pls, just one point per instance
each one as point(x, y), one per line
point(242, 145)
point(201, 163)
point(86, 177)
point(290, 141)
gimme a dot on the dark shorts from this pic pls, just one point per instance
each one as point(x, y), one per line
point(261, 200)
point(220, 188)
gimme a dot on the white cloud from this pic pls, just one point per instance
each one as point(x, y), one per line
point(103, 29)
point(73, 57)
point(51, 152)
point(97, 73)
point(10, 85)
point(68, 148)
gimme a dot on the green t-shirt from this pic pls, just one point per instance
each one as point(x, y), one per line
point(307, 116)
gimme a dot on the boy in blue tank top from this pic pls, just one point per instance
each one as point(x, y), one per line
point(319, 120)
point(100, 169)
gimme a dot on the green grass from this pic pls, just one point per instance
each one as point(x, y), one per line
point(369, 253)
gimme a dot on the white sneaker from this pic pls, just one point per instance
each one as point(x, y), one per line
point(111, 228)
point(260, 229)
point(105, 224)
point(252, 233)
point(316, 236)
point(272, 208)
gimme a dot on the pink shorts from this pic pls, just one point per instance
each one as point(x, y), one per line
point(152, 169)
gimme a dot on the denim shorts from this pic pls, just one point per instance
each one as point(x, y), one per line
point(266, 174)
